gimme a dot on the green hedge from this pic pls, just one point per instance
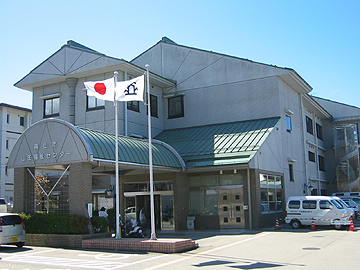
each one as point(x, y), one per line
point(55, 223)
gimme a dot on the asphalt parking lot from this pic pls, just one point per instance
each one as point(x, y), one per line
point(323, 248)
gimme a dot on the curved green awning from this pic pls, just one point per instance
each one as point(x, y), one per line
point(54, 142)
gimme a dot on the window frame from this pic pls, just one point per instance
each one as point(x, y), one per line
point(288, 123)
point(319, 131)
point(133, 105)
point(53, 111)
point(291, 172)
point(22, 121)
point(154, 106)
point(321, 160)
point(312, 156)
point(171, 114)
point(96, 101)
point(309, 125)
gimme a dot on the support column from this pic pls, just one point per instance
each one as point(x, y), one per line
point(24, 191)
point(71, 83)
point(80, 189)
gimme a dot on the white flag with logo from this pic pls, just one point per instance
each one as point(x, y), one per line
point(130, 90)
point(101, 89)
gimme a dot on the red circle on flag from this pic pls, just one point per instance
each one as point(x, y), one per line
point(100, 88)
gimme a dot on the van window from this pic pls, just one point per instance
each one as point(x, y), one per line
point(340, 194)
point(338, 205)
point(325, 205)
point(294, 204)
point(309, 204)
point(354, 194)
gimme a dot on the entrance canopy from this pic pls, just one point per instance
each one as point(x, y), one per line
point(53, 142)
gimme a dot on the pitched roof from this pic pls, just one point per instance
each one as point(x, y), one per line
point(221, 144)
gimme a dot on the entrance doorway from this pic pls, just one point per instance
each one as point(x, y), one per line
point(163, 209)
point(231, 208)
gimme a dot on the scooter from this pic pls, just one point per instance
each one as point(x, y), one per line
point(131, 229)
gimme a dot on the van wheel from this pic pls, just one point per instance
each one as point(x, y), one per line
point(295, 224)
point(337, 226)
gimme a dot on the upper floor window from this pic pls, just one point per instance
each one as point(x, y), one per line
point(133, 106)
point(8, 118)
point(52, 107)
point(309, 125)
point(321, 163)
point(312, 156)
point(319, 132)
point(153, 105)
point(288, 123)
point(94, 104)
point(176, 107)
point(22, 121)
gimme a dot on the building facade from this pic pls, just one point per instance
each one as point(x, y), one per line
point(14, 121)
point(233, 138)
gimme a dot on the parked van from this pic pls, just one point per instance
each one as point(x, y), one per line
point(346, 194)
point(323, 210)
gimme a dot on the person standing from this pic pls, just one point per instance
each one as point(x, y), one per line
point(142, 217)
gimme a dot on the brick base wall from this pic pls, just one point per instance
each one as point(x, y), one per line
point(60, 240)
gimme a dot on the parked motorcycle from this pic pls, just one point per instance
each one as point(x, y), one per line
point(130, 229)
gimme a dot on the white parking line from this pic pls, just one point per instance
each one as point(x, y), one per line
point(66, 262)
point(206, 252)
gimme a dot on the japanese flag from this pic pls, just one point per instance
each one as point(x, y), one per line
point(130, 90)
point(101, 89)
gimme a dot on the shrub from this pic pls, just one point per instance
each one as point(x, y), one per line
point(55, 223)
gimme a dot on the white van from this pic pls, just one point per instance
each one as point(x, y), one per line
point(346, 194)
point(323, 210)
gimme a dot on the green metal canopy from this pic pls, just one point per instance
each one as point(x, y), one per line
point(221, 144)
point(131, 150)
point(51, 142)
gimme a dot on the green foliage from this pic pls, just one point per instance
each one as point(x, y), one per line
point(99, 224)
point(55, 223)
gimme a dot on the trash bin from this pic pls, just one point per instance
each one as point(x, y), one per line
point(190, 223)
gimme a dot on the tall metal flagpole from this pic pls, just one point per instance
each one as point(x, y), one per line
point(117, 192)
point(152, 218)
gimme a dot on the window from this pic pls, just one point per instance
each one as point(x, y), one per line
point(153, 106)
point(7, 144)
point(133, 106)
point(325, 205)
point(51, 107)
point(22, 121)
point(176, 107)
point(319, 132)
point(288, 123)
point(309, 204)
point(321, 163)
point(271, 193)
point(6, 170)
point(294, 204)
point(291, 172)
point(309, 125)
point(8, 118)
point(95, 104)
point(312, 156)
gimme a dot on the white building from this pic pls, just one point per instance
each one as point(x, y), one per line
point(234, 138)
point(13, 122)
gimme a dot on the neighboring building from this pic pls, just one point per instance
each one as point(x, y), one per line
point(13, 122)
point(343, 144)
point(233, 138)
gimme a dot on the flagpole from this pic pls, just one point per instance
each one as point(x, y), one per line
point(152, 218)
point(117, 192)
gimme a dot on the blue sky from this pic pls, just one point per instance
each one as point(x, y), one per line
point(319, 39)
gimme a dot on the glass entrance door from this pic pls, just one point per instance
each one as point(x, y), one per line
point(231, 212)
